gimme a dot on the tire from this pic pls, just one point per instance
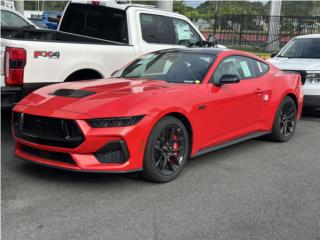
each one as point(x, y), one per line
point(166, 151)
point(285, 121)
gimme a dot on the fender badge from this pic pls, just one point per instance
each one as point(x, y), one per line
point(47, 54)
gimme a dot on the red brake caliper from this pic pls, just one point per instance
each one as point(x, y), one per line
point(175, 145)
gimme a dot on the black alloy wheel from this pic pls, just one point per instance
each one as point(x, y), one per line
point(285, 121)
point(167, 150)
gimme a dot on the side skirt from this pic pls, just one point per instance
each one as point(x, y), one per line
point(229, 143)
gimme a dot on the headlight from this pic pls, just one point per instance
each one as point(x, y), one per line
point(313, 78)
point(114, 122)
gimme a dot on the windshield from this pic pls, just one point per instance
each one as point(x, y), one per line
point(10, 19)
point(302, 48)
point(170, 66)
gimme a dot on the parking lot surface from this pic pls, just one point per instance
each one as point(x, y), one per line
point(253, 190)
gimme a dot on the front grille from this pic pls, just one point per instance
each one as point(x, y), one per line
point(303, 74)
point(55, 156)
point(47, 131)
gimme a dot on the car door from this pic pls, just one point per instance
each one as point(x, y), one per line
point(235, 108)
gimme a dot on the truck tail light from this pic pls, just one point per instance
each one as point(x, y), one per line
point(14, 62)
point(97, 2)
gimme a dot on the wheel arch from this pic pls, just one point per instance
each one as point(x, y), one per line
point(294, 98)
point(276, 107)
point(84, 74)
point(186, 122)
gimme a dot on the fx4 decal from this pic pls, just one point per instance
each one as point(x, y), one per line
point(47, 54)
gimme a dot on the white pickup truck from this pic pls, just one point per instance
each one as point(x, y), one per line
point(302, 55)
point(94, 39)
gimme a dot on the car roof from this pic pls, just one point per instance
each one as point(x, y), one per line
point(212, 51)
point(309, 36)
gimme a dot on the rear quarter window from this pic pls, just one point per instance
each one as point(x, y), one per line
point(260, 68)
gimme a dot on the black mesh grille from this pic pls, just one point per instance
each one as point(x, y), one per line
point(113, 152)
point(47, 131)
point(55, 156)
point(303, 74)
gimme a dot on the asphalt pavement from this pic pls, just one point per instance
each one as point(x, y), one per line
point(253, 190)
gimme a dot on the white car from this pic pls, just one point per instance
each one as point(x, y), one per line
point(13, 19)
point(95, 38)
point(302, 55)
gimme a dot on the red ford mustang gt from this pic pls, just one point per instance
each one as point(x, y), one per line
point(157, 112)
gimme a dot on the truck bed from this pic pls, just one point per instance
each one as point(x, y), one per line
point(46, 35)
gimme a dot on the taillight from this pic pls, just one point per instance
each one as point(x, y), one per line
point(14, 62)
point(96, 2)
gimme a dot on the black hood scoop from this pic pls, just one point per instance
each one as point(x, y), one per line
point(74, 93)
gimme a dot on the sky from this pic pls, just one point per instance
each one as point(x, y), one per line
point(193, 3)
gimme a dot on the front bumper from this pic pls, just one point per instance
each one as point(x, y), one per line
point(10, 96)
point(312, 101)
point(312, 95)
point(85, 157)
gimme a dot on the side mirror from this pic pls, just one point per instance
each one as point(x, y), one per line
point(115, 73)
point(274, 54)
point(212, 41)
point(229, 79)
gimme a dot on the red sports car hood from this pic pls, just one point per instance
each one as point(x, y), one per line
point(101, 98)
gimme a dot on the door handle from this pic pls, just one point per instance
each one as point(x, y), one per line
point(202, 107)
point(259, 91)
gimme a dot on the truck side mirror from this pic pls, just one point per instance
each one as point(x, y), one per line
point(212, 41)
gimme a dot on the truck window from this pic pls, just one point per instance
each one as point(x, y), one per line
point(185, 34)
point(156, 29)
point(96, 21)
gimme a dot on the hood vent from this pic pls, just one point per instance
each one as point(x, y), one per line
point(74, 93)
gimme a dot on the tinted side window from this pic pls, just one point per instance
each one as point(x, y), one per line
point(9, 19)
point(184, 33)
point(235, 65)
point(96, 21)
point(260, 68)
point(155, 29)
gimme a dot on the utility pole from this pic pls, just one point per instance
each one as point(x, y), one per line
point(19, 5)
point(273, 35)
point(165, 5)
